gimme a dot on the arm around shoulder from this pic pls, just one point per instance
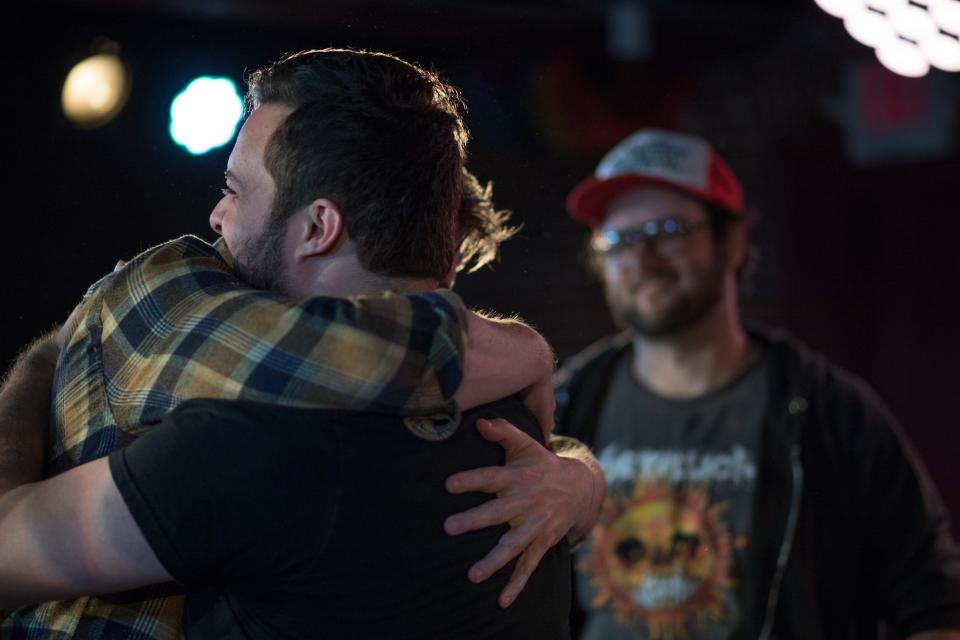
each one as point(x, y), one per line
point(504, 357)
point(390, 353)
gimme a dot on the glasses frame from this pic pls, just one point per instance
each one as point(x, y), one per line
point(611, 242)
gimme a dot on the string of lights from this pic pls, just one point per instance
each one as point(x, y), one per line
point(908, 36)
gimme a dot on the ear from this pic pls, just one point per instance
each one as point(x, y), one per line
point(323, 229)
point(737, 245)
point(447, 282)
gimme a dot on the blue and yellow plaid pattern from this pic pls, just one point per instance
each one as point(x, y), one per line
point(174, 324)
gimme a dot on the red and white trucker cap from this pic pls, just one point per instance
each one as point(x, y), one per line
point(656, 157)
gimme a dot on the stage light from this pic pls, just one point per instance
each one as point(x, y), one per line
point(205, 114)
point(95, 90)
point(839, 8)
point(908, 35)
point(869, 28)
point(942, 51)
point(946, 13)
point(912, 21)
point(903, 58)
point(886, 5)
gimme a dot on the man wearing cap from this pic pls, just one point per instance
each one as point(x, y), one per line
point(753, 489)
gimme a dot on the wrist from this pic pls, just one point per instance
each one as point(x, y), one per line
point(591, 501)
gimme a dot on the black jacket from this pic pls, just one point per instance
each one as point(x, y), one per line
point(848, 527)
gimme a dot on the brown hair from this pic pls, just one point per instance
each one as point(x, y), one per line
point(382, 138)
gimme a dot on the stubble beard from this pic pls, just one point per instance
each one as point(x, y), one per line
point(259, 260)
point(685, 310)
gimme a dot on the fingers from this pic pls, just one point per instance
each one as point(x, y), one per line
point(513, 440)
point(511, 545)
point(489, 514)
point(542, 402)
point(526, 565)
point(484, 479)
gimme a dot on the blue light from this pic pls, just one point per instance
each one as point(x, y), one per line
point(205, 114)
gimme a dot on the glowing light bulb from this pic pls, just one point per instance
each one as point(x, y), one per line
point(95, 90)
point(839, 8)
point(886, 5)
point(946, 13)
point(205, 114)
point(912, 21)
point(942, 51)
point(869, 28)
point(903, 58)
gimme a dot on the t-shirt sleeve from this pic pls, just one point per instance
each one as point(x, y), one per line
point(161, 479)
point(217, 490)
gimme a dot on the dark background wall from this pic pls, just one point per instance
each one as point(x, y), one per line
point(854, 172)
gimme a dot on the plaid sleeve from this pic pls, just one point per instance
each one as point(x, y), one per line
point(176, 324)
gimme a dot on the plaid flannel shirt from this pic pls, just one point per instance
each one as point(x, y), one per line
point(175, 324)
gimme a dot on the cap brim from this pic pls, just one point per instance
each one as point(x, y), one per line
point(588, 201)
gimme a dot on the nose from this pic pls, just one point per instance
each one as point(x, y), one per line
point(640, 259)
point(217, 216)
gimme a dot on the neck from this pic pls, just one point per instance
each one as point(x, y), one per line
point(697, 360)
point(342, 276)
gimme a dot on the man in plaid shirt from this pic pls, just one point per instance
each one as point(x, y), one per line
point(176, 324)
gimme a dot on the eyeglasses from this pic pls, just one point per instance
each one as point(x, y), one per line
point(666, 234)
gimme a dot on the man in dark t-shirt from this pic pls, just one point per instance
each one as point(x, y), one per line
point(290, 531)
point(276, 528)
point(316, 204)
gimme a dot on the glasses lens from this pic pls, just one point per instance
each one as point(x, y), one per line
point(667, 234)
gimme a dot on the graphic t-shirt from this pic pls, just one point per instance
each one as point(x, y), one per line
point(666, 558)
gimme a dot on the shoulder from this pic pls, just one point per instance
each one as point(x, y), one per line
point(844, 416)
point(186, 253)
point(811, 374)
point(176, 275)
point(510, 409)
point(238, 424)
point(214, 415)
point(596, 356)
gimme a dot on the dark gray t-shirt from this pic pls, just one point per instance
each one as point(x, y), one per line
point(666, 559)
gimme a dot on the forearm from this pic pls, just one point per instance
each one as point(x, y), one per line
point(389, 354)
point(25, 414)
point(942, 634)
point(583, 462)
point(399, 354)
point(503, 357)
point(69, 536)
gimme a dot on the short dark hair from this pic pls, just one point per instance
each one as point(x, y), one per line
point(382, 138)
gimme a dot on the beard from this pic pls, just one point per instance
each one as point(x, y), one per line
point(259, 262)
point(686, 309)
